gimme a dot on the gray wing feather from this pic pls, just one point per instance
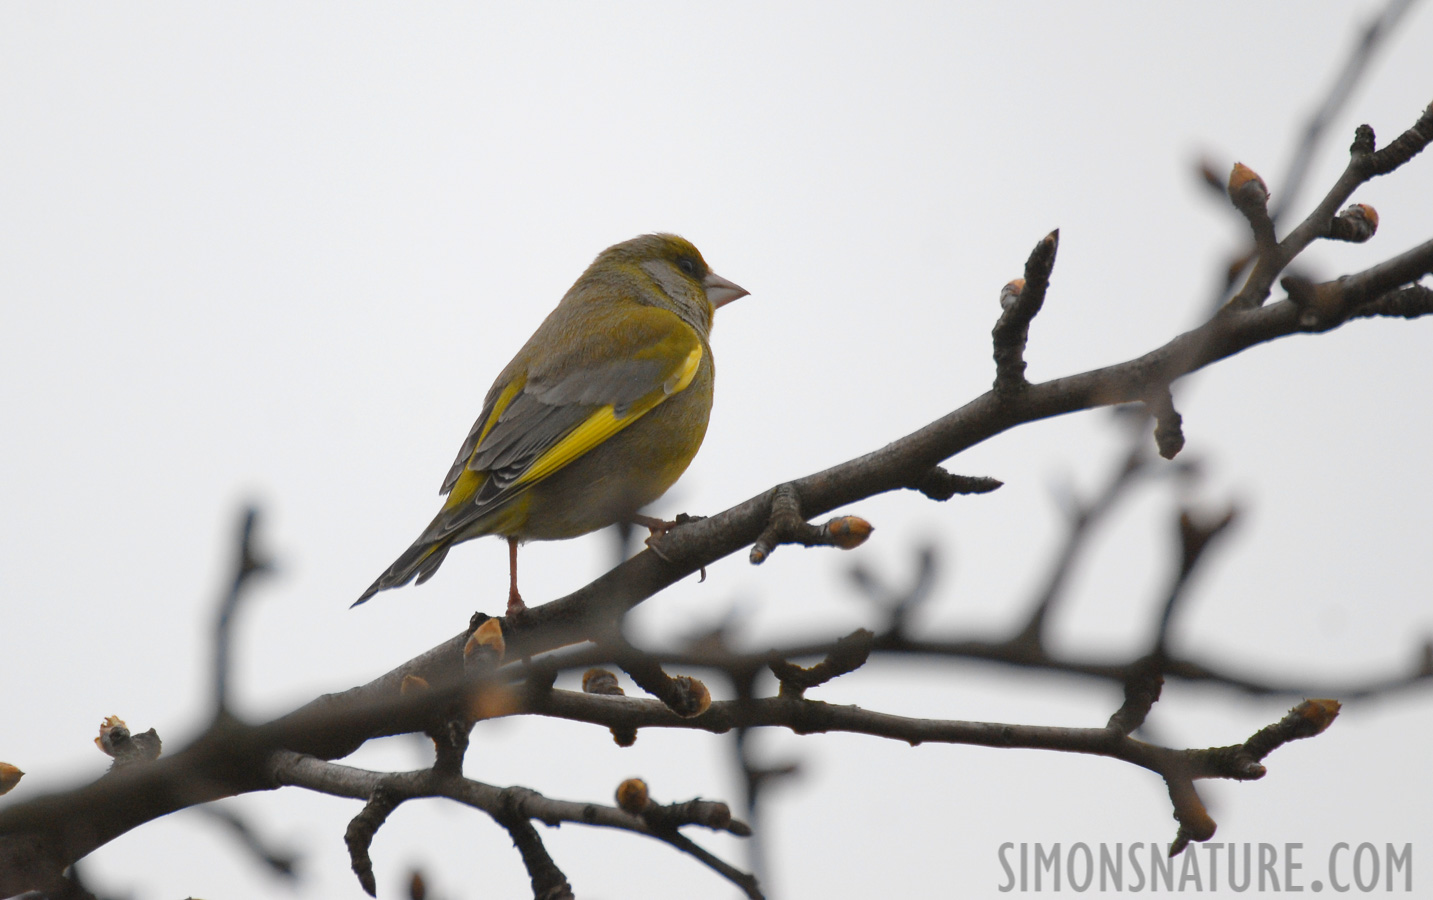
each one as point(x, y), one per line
point(543, 413)
point(620, 383)
point(461, 461)
point(527, 428)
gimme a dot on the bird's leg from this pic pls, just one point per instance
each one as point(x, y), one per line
point(515, 604)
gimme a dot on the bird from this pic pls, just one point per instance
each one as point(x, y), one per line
point(598, 414)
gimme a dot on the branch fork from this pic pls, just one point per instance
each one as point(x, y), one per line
point(1365, 163)
point(786, 525)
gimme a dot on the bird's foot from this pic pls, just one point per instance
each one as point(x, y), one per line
point(515, 605)
point(659, 529)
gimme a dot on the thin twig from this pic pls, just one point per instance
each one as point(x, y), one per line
point(1364, 49)
point(288, 768)
point(247, 564)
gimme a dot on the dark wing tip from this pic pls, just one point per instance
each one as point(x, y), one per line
point(420, 560)
point(372, 589)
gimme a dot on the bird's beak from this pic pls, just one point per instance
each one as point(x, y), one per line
point(721, 292)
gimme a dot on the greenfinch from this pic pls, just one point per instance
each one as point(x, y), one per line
point(598, 414)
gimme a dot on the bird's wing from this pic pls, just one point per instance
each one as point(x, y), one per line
point(539, 422)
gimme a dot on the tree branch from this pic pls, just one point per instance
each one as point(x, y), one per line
point(507, 806)
point(39, 838)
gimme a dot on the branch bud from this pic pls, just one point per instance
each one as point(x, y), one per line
point(112, 731)
point(1246, 187)
point(601, 681)
point(691, 697)
point(1011, 292)
point(848, 532)
point(1318, 713)
point(632, 796)
point(487, 638)
point(1356, 224)
point(9, 777)
point(116, 741)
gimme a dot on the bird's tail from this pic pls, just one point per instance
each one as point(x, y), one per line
point(419, 561)
point(458, 520)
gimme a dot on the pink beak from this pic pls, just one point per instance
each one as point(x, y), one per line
point(721, 292)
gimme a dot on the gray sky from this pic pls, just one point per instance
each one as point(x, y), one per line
point(278, 252)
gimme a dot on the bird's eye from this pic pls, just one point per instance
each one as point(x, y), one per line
point(688, 265)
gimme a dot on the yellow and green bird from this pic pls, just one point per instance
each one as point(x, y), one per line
point(598, 414)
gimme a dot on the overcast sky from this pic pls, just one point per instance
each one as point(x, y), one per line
point(277, 252)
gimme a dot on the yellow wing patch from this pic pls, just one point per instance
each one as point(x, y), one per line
point(683, 377)
point(500, 405)
point(464, 488)
point(469, 481)
point(605, 422)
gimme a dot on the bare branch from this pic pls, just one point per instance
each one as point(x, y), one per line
point(1013, 328)
point(40, 837)
point(280, 861)
point(248, 563)
point(548, 882)
point(938, 484)
point(683, 695)
point(1031, 638)
point(1364, 164)
point(1168, 423)
point(897, 605)
point(361, 830)
point(1365, 48)
point(1142, 690)
point(1195, 533)
point(505, 804)
point(892, 467)
point(849, 654)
